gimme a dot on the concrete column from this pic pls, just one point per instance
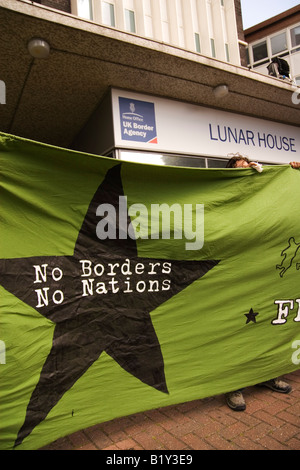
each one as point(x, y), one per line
point(203, 27)
point(189, 30)
point(173, 22)
point(234, 48)
point(97, 12)
point(139, 17)
point(218, 29)
point(74, 8)
point(156, 20)
point(119, 11)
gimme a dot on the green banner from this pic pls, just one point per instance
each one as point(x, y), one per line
point(126, 287)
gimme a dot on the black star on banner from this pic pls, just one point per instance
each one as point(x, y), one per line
point(251, 316)
point(100, 299)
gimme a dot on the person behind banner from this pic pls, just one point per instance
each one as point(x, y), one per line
point(239, 161)
point(235, 400)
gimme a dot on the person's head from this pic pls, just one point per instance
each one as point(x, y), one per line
point(238, 161)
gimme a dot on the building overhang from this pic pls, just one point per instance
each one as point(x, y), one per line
point(51, 99)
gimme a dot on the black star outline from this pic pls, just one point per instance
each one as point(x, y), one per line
point(251, 316)
point(117, 322)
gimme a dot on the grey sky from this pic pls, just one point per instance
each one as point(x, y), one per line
point(256, 11)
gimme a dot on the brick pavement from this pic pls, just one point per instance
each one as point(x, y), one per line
point(270, 422)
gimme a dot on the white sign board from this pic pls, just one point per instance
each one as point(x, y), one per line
point(143, 122)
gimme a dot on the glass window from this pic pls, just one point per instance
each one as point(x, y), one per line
point(185, 161)
point(247, 55)
point(260, 51)
point(278, 43)
point(227, 52)
point(85, 9)
point(197, 42)
point(108, 14)
point(213, 49)
point(213, 163)
point(295, 36)
point(129, 21)
point(161, 159)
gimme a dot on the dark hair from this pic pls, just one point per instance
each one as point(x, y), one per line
point(236, 158)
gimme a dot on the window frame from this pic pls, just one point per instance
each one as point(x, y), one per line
point(129, 15)
point(274, 54)
point(111, 12)
point(290, 36)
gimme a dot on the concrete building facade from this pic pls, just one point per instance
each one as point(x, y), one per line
point(199, 108)
point(203, 26)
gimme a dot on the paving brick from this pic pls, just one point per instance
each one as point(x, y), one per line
point(98, 437)
point(148, 442)
point(289, 417)
point(126, 444)
point(79, 439)
point(195, 442)
point(112, 447)
point(223, 418)
point(286, 432)
point(229, 432)
point(276, 407)
point(274, 421)
point(199, 417)
point(89, 446)
point(212, 427)
point(248, 419)
point(254, 405)
point(293, 444)
point(294, 408)
point(220, 443)
point(185, 428)
point(247, 444)
point(259, 431)
point(272, 444)
point(171, 442)
point(116, 436)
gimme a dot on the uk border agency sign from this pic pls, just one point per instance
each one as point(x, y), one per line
point(137, 121)
point(187, 129)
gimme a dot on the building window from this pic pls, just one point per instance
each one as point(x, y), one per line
point(248, 56)
point(212, 46)
point(227, 52)
point(278, 43)
point(295, 36)
point(197, 42)
point(108, 14)
point(129, 21)
point(260, 51)
point(85, 10)
point(148, 19)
